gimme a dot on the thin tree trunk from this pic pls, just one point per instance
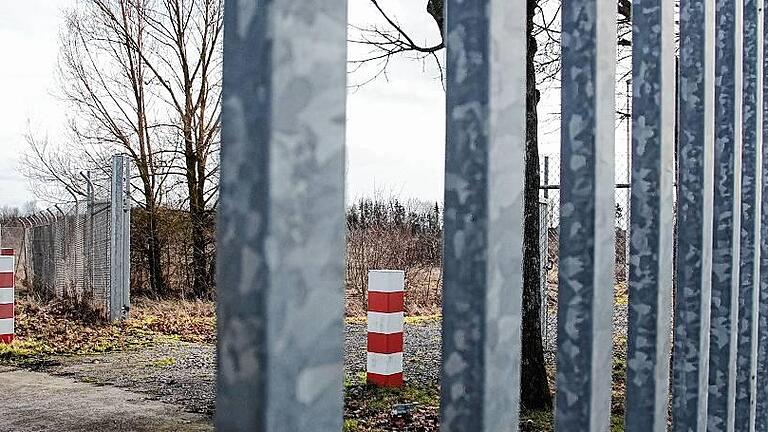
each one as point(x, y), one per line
point(534, 388)
point(200, 263)
point(156, 279)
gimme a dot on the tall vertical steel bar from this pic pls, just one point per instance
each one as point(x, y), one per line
point(628, 204)
point(726, 220)
point(761, 397)
point(486, 105)
point(115, 232)
point(120, 239)
point(546, 179)
point(88, 234)
point(650, 250)
point(587, 216)
point(746, 358)
point(693, 269)
point(281, 218)
point(126, 287)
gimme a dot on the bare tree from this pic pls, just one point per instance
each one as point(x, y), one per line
point(192, 31)
point(54, 174)
point(113, 108)
point(187, 35)
point(144, 77)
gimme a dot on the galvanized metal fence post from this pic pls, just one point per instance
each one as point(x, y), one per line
point(544, 273)
point(746, 358)
point(89, 235)
point(650, 258)
point(726, 208)
point(693, 269)
point(120, 239)
point(761, 397)
point(587, 216)
point(281, 218)
point(483, 247)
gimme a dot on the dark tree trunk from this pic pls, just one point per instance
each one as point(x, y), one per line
point(195, 174)
point(201, 287)
point(197, 215)
point(156, 279)
point(534, 388)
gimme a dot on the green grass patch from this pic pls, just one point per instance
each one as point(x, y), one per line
point(164, 362)
point(20, 349)
point(617, 423)
point(537, 420)
point(544, 421)
point(351, 425)
point(621, 294)
point(369, 407)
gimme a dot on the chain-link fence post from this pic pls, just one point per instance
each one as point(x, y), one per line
point(119, 296)
point(546, 179)
point(88, 238)
point(544, 265)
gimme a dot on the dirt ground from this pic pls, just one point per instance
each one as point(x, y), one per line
point(161, 387)
point(170, 386)
point(36, 402)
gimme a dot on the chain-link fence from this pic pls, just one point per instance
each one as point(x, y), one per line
point(550, 194)
point(544, 264)
point(78, 250)
point(66, 252)
point(550, 189)
point(550, 197)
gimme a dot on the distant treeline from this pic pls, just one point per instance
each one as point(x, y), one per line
point(418, 216)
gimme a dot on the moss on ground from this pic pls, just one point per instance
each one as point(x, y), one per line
point(164, 362)
point(351, 425)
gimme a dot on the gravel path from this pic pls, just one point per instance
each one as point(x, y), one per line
point(421, 351)
point(185, 373)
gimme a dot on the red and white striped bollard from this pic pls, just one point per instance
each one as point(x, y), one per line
point(385, 327)
point(7, 271)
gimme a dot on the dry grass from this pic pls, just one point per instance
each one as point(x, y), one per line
point(62, 328)
point(190, 321)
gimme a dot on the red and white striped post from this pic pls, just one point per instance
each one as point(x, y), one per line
point(7, 269)
point(385, 327)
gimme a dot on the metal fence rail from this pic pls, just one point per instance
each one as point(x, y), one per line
point(79, 250)
point(549, 172)
point(281, 230)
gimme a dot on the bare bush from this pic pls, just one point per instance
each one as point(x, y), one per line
point(395, 235)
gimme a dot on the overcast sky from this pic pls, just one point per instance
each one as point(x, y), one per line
point(395, 125)
point(29, 32)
